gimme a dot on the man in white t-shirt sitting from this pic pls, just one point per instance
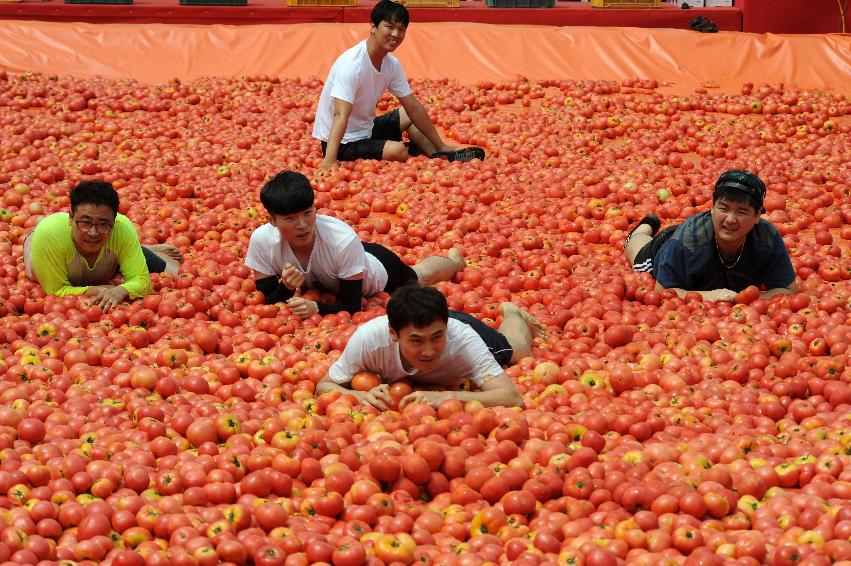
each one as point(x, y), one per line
point(422, 340)
point(345, 117)
point(301, 249)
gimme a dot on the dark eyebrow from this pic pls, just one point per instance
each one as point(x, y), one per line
point(87, 218)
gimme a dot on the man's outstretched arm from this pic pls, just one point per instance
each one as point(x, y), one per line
point(496, 392)
point(788, 290)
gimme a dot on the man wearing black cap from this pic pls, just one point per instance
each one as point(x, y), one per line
point(717, 253)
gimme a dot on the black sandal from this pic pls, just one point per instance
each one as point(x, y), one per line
point(651, 220)
point(463, 155)
point(703, 25)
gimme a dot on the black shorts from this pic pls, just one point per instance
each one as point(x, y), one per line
point(645, 256)
point(154, 262)
point(495, 341)
point(398, 272)
point(385, 127)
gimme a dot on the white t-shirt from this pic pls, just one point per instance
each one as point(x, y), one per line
point(354, 79)
point(371, 348)
point(337, 254)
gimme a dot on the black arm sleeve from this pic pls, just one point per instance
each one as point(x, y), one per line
point(348, 298)
point(273, 290)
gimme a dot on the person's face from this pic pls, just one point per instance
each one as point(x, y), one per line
point(91, 225)
point(389, 35)
point(421, 347)
point(732, 220)
point(298, 228)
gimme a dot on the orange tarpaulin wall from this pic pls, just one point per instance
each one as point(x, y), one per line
point(464, 51)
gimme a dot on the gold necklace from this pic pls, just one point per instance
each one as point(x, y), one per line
point(721, 256)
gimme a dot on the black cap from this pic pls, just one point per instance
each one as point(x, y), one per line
point(743, 181)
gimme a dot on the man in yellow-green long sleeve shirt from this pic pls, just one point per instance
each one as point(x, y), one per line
point(80, 253)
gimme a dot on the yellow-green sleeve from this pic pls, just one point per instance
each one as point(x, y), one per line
point(52, 249)
point(125, 243)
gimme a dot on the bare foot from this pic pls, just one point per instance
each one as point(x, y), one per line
point(434, 269)
point(535, 327)
point(458, 258)
point(167, 250)
point(170, 255)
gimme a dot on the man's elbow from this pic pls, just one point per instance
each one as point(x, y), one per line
point(341, 115)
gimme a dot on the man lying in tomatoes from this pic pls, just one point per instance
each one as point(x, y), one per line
point(301, 249)
point(422, 340)
point(346, 124)
point(718, 253)
point(80, 253)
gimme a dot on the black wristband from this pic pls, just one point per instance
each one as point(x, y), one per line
point(348, 298)
point(273, 290)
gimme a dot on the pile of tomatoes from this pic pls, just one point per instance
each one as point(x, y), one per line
point(183, 428)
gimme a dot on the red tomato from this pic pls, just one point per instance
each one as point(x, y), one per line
point(748, 295)
point(385, 468)
point(269, 555)
point(349, 552)
point(416, 468)
point(365, 380)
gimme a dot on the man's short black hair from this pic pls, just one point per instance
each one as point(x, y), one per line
point(389, 11)
point(96, 193)
point(287, 192)
point(412, 305)
point(738, 185)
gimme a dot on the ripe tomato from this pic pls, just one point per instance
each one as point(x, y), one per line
point(365, 381)
point(398, 389)
point(416, 468)
point(349, 552)
point(385, 468)
point(395, 548)
point(748, 295)
point(269, 555)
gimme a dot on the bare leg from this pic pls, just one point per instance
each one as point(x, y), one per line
point(417, 137)
point(394, 151)
point(434, 269)
point(519, 328)
point(419, 140)
point(170, 255)
point(640, 237)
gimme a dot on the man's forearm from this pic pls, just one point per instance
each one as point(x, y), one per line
point(327, 386)
point(335, 137)
point(680, 292)
point(778, 291)
point(493, 398)
point(713, 295)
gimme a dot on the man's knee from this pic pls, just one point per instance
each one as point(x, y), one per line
point(634, 246)
point(395, 151)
